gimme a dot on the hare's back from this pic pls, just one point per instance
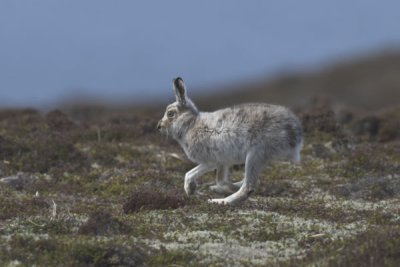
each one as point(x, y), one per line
point(259, 115)
point(229, 133)
point(263, 122)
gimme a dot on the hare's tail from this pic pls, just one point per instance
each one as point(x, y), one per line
point(296, 152)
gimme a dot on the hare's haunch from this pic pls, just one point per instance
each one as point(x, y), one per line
point(254, 134)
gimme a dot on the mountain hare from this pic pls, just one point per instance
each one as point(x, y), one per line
point(254, 134)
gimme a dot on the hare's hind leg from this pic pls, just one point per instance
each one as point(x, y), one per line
point(224, 185)
point(193, 174)
point(254, 163)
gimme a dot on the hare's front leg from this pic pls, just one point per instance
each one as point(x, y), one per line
point(254, 163)
point(224, 185)
point(191, 176)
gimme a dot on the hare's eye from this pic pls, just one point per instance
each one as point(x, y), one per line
point(171, 114)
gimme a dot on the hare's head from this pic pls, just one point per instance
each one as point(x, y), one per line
point(179, 111)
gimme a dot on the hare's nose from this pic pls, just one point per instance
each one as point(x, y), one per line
point(159, 125)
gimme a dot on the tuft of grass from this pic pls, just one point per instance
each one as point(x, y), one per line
point(174, 258)
point(106, 255)
point(102, 223)
point(319, 119)
point(146, 198)
point(14, 205)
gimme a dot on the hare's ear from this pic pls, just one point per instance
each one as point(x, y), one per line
point(180, 90)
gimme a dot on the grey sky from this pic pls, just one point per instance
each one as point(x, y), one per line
point(52, 49)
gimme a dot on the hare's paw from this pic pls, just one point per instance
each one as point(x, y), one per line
point(190, 187)
point(233, 199)
point(224, 189)
point(220, 201)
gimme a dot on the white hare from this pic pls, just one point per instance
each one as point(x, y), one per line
point(254, 134)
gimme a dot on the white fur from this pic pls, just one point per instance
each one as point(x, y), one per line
point(254, 134)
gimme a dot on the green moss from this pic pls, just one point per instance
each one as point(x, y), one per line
point(76, 252)
point(174, 258)
point(375, 247)
point(19, 205)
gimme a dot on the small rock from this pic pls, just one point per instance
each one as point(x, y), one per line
point(48, 178)
point(105, 175)
point(18, 181)
point(95, 165)
point(180, 157)
point(318, 235)
point(176, 156)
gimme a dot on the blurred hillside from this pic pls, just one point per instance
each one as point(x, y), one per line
point(367, 83)
point(362, 94)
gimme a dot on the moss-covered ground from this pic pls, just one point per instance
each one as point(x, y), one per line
point(99, 187)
